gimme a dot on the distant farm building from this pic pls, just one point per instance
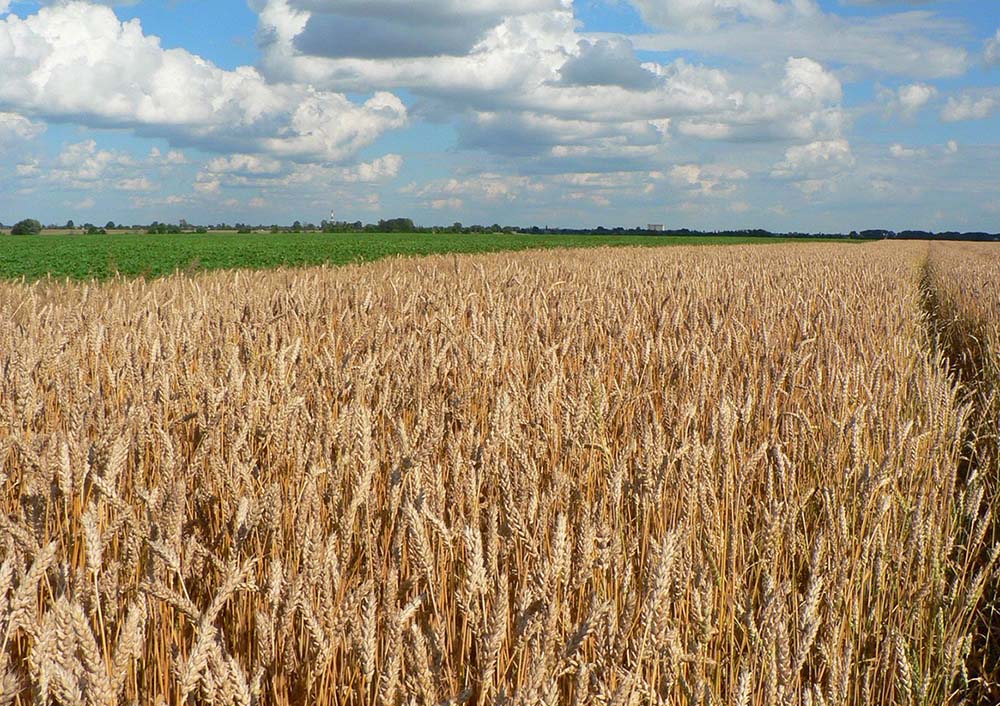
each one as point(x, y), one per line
point(655, 227)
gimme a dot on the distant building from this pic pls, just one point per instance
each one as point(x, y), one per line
point(655, 227)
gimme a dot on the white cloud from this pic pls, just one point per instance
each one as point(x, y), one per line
point(806, 108)
point(206, 184)
point(16, 129)
point(139, 183)
point(252, 171)
point(951, 147)
point(30, 168)
point(708, 180)
point(244, 164)
point(701, 15)
point(815, 157)
point(533, 86)
point(806, 80)
point(84, 164)
point(485, 186)
point(171, 158)
point(607, 62)
point(908, 99)
point(383, 168)
point(175, 157)
point(77, 61)
point(257, 202)
point(991, 53)
point(915, 96)
point(365, 29)
point(901, 152)
point(451, 204)
point(597, 199)
point(918, 44)
point(706, 130)
point(971, 106)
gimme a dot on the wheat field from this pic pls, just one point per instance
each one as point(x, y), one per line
point(741, 475)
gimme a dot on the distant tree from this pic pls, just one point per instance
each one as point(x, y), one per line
point(110, 225)
point(157, 228)
point(70, 225)
point(297, 227)
point(397, 225)
point(28, 226)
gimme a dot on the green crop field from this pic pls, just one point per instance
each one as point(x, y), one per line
point(101, 256)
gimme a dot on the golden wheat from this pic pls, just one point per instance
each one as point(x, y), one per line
point(607, 477)
point(964, 283)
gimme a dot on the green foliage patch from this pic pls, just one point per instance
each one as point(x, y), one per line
point(144, 255)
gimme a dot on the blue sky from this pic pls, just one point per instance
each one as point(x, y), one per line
point(784, 114)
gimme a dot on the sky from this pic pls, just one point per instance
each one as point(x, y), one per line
point(790, 115)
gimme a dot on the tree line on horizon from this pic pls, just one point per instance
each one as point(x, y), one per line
point(33, 226)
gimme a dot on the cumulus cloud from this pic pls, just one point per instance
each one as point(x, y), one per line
point(30, 168)
point(607, 62)
point(992, 51)
point(522, 134)
point(485, 186)
point(82, 164)
point(140, 183)
point(254, 171)
point(807, 80)
point(77, 61)
point(421, 27)
point(708, 180)
point(532, 86)
point(452, 204)
point(368, 29)
point(16, 129)
point(901, 152)
point(971, 105)
point(244, 164)
point(171, 158)
point(816, 157)
point(915, 96)
point(701, 15)
point(908, 99)
point(806, 108)
point(917, 44)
